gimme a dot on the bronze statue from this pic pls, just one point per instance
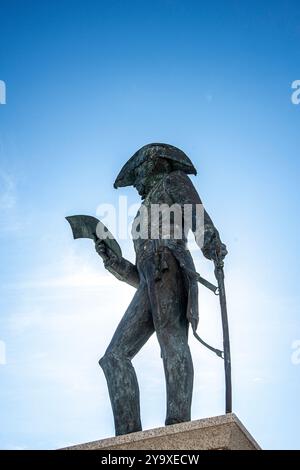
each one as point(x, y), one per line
point(166, 299)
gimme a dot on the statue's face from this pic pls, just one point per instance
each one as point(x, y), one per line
point(144, 177)
point(147, 173)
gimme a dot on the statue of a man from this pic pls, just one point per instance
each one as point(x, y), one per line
point(166, 299)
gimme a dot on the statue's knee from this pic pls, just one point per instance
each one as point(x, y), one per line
point(104, 361)
point(108, 360)
point(175, 351)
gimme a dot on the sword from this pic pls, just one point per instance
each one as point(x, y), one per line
point(219, 273)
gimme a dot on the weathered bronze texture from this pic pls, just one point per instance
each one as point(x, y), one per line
point(166, 300)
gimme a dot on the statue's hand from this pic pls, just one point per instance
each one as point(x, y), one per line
point(106, 253)
point(215, 249)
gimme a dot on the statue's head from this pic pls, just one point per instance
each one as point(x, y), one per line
point(149, 162)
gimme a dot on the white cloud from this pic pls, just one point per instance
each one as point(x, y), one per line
point(7, 191)
point(9, 220)
point(2, 353)
point(85, 278)
point(73, 271)
point(67, 314)
point(16, 447)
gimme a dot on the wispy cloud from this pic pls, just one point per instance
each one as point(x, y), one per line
point(7, 191)
point(85, 278)
point(73, 271)
point(16, 447)
point(2, 353)
point(9, 222)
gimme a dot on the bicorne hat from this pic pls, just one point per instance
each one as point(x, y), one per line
point(178, 159)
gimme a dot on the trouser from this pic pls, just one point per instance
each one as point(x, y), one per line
point(160, 306)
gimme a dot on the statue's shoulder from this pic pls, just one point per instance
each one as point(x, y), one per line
point(180, 188)
point(179, 179)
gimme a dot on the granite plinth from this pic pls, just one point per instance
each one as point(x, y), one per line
point(220, 432)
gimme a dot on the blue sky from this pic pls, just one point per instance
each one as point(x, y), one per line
point(88, 83)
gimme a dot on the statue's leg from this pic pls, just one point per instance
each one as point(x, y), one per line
point(134, 330)
point(168, 299)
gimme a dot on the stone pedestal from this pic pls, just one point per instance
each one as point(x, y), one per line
point(224, 432)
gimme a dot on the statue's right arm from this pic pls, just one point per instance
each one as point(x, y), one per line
point(121, 268)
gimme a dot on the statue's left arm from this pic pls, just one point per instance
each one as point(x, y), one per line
point(182, 191)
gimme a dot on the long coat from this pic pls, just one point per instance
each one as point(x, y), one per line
point(173, 188)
